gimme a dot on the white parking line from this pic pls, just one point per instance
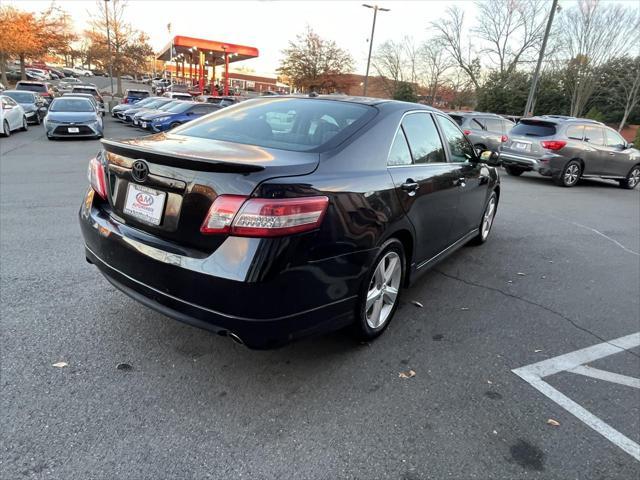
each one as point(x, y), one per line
point(574, 362)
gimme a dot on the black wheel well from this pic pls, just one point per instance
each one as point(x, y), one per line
point(580, 161)
point(497, 190)
point(406, 239)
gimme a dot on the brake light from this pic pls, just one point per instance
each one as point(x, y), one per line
point(125, 100)
point(504, 138)
point(466, 132)
point(264, 217)
point(97, 178)
point(553, 144)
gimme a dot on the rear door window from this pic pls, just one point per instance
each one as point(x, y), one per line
point(457, 118)
point(479, 123)
point(593, 135)
point(423, 137)
point(460, 148)
point(400, 153)
point(575, 132)
point(529, 128)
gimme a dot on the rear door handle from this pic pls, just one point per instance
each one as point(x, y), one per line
point(410, 186)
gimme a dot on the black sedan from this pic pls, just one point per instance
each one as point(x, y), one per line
point(283, 217)
point(34, 106)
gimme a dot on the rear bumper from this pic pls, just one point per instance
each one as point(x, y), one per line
point(223, 292)
point(528, 164)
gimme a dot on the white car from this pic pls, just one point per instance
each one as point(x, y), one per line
point(81, 71)
point(12, 116)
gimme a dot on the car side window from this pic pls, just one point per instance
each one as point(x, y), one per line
point(460, 148)
point(424, 140)
point(614, 139)
point(575, 132)
point(593, 135)
point(399, 153)
point(479, 123)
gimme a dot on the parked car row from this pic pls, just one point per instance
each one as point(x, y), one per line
point(159, 114)
point(561, 147)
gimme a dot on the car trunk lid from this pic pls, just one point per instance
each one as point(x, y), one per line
point(525, 138)
point(184, 176)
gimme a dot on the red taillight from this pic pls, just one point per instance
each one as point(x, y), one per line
point(125, 100)
point(466, 132)
point(264, 217)
point(553, 144)
point(504, 138)
point(97, 178)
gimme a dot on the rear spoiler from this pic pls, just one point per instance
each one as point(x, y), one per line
point(177, 160)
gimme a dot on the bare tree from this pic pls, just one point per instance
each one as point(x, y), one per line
point(449, 32)
point(624, 89)
point(435, 62)
point(390, 63)
point(593, 33)
point(510, 31)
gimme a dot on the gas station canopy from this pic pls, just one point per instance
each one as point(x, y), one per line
point(211, 49)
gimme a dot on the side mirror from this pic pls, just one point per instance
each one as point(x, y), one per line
point(490, 158)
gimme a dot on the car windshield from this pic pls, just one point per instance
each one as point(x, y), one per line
point(32, 87)
point(180, 107)
point(286, 123)
point(71, 105)
point(21, 97)
point(152, 104)
point(147, 102)
point(169, 105)
point(534, 128)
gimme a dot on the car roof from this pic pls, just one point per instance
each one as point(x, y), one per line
point(31, 82)
point(563, 119)
point(465, 113)
point(19, 91)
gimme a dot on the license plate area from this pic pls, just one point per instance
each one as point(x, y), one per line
point(521, 146)
point(73, 130)
point(144, 204)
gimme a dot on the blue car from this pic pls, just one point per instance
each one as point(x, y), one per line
point(183, 112)
point(134, 95)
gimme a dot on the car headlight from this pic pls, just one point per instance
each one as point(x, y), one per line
point(50, 120)
point(161, 119)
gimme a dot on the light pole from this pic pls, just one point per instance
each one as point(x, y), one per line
point(373, 30)
point(528, 110)
point(106, 11)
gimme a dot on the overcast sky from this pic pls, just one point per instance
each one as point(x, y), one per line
point(269, 25)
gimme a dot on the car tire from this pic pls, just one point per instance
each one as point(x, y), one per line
point(6, 130)
point(570, 174)
point(514, 171)
point(632, 180)
point(488, 216)
point(174, 125)
point(25, 124)
point(380, 292)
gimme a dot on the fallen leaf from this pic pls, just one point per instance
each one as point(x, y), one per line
point(417, 303)
point(60, 364)
point(464, 309)
point(550, 261)
point(537, 350)
point(544, 276)
point(489, 382)
point(124, 366)
point(407, 374)
point(553, 422)
point(509, 281)
point(522, 274)
point(495, 433)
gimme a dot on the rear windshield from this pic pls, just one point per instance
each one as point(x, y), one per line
point(137, 93)
point(285, 123)
point(71, 105)
point(32, 87)
point(457, 118)
point(21, 97)
point(90, 91)
point(180, 107)
point(532, 128)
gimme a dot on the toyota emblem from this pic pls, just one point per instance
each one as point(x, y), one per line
point(139, 171)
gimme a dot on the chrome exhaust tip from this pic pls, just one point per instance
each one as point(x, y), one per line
point(235, 338)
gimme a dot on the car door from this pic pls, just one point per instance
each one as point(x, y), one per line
point(617, 162)
point(472, 179)
point(425, 183)
point(594, 154)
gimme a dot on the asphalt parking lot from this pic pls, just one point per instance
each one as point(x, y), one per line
point(561, 273)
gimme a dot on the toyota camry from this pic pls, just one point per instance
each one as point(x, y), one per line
point(284, 217)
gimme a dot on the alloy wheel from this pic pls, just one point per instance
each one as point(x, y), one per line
point(383, 290)
point(571, 174)
point(634, 177)
point(487, 219)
